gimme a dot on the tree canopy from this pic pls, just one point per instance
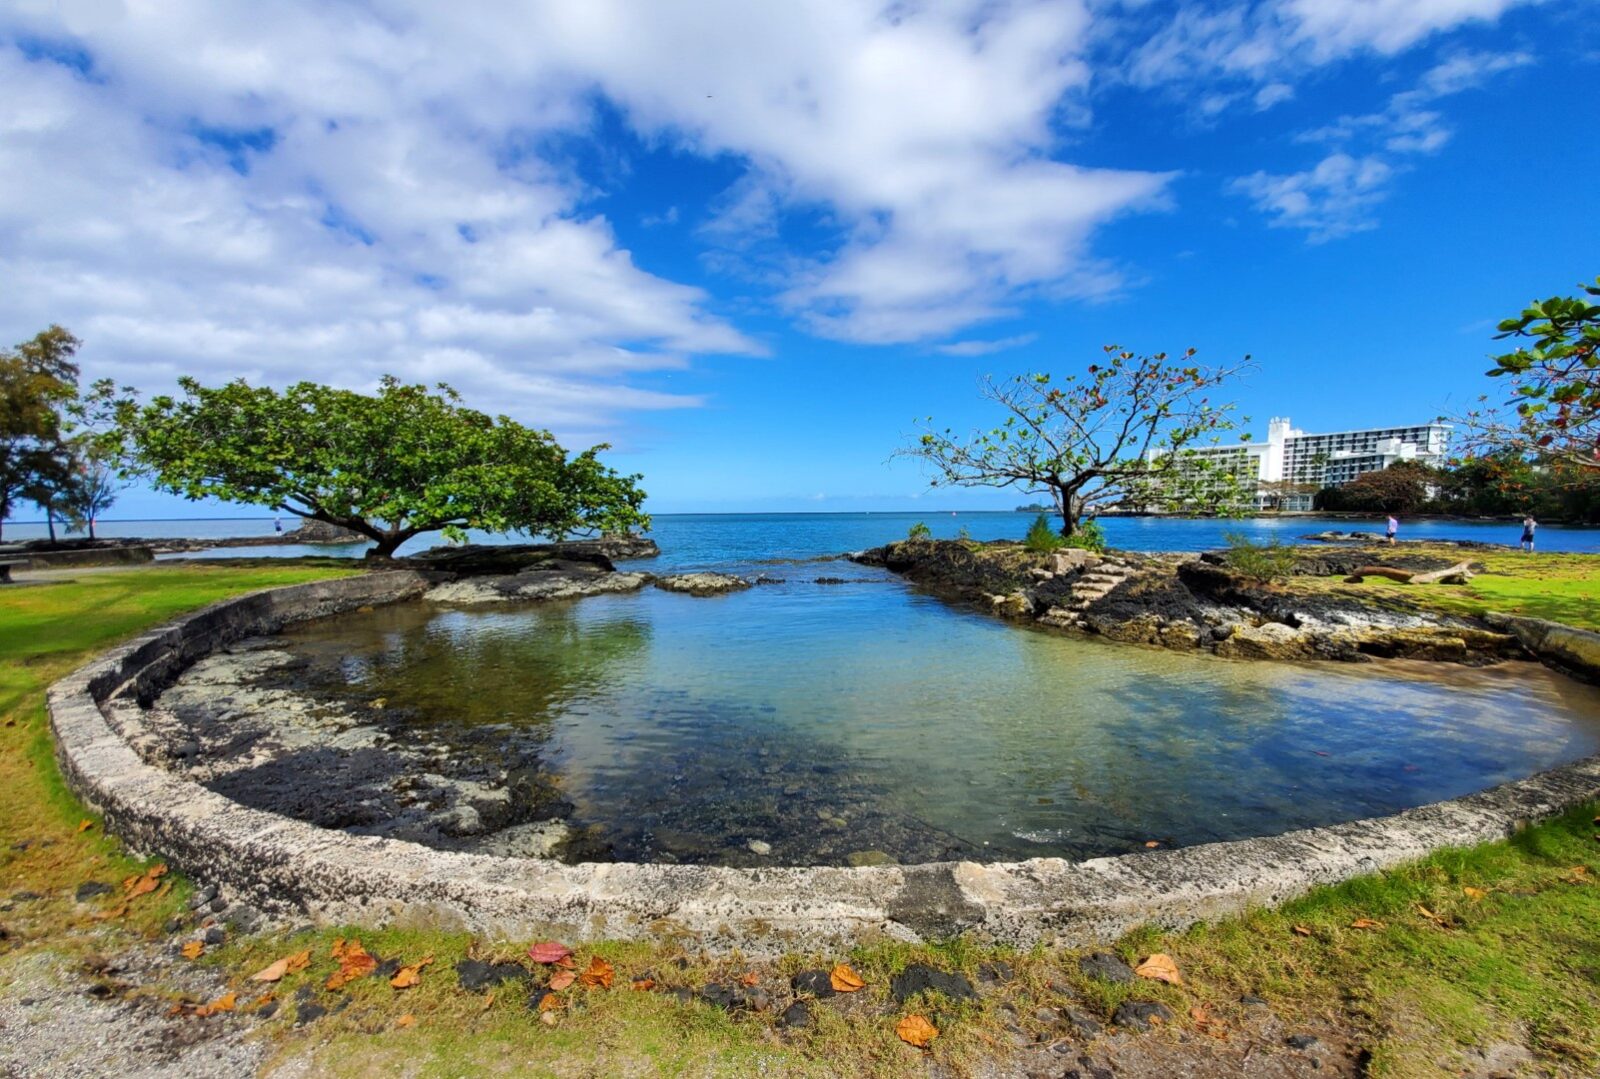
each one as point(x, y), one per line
point(1554, 383)
point(389, 466)
point(1126, 428)
point(37, 380)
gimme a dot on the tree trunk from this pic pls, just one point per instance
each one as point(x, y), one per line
point(91, 526)
point(50, 523)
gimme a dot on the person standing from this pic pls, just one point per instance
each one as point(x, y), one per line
point(1391, 527)
point(1528, 525)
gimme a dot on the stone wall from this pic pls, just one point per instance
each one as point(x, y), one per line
point(294, 868)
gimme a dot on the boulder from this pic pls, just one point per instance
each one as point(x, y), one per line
point(553, 580)
point(702, 584)
point(1270, 640)
point(1072, 559)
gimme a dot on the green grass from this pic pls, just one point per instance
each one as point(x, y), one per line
point(1560, 587)
point(1521, 963)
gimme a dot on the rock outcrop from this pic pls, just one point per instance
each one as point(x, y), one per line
point(702, 584)
point(1198, 604)
point(558, 578)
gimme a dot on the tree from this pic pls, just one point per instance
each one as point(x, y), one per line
point(1403, 487)
point(1554, 381)
point(390, 466)
point(49, 484)
point(37, 378)
point(1125, 429)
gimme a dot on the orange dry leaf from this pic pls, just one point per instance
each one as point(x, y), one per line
point(145, 882)
point(1366, 923)
point(550, 1003)
point(643, 984)
point(85, 824)
point(1151, 844)
point(1475, 894)
point(262, 1001)
point(1436, 919)
point(289, 964)
point(354, 962)
point(488, 1001)
point(404, 1021)
point(194, 949)
point(561, 979)
point(1300, 930)
point(224, 1003)
point(749, 978)
point(1161, 968)
point(598, 975)
point(845, 980)
point(408, 976)
point(917, 1031)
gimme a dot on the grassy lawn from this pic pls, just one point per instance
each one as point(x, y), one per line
point(1497, 943)
point(1560, 587)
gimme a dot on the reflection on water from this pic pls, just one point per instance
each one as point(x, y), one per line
point(828, 721)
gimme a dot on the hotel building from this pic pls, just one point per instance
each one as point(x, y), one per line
point(1290, 456)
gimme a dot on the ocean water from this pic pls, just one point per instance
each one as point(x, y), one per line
point(700, 541)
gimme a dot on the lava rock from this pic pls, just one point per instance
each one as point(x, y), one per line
point(308, 1012)
point(996, 972)
point(921, 978)
point(1249, 1000)
point(796, 1016)
point(702, 584)
point(203, 896)
point(89, 889)
point(268, 1010)
point(727, 997)
point(1300, 1041)
point(1106, 967)
point(214, 935)
point(476, 975)
point(815, 982)
point(1085, 1024)
point(1138, 1014)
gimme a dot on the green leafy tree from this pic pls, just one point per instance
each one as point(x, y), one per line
point(1041, 538)
point(1403, 487)
point(1554, 382)
point(37, 379)
point(389, 466)
point(1127, 428)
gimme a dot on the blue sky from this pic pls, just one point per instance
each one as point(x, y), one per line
point(749, 244)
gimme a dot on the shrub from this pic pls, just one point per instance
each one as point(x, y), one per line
point(1041, 538)
point(1260, 561)
point(1089, 536)
point(919, 531)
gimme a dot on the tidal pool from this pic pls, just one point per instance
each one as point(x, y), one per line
point(805, 723)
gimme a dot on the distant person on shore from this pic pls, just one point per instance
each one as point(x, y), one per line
point(1391, 527)
point(1528, 525)
point(277, 525)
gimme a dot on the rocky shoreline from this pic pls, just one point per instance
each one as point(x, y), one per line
point(1195, 603)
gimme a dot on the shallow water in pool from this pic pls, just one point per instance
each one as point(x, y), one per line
point(808, 723)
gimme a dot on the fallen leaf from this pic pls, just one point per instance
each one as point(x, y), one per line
point(548, 1019)
point(1475, 894)
point(145, 882)
point(407, 1020)
point(1366, 923)
point(194, 949)
point(115, 912)
point(749, 978)
point(1437, 919)
point(354, 962)
point(845, 980)
point(548, 951)
point(561, 979)
point(408, 976)
point(85, 824)
point(289, 964)
point(599, 974)
point(262, 1001)
point(551, 1002)
point(1300, 930)
point(1152, 843)
point(488, 1001)
point(917, 1031)
point(644, 984)
point(224, 1003)
point(1161, 968)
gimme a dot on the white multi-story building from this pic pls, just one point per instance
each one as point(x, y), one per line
point(1291, 458)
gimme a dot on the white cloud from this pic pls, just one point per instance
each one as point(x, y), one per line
point(1335, 198)
point(1274, 93)
point(1338, 195)
point(984, 348)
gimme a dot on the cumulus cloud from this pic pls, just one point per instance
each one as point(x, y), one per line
point(1334, 198)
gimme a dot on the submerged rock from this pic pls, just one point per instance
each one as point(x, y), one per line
point(557, 579)
point(702, 584)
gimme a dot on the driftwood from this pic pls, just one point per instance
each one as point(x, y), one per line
point(1460, 573)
